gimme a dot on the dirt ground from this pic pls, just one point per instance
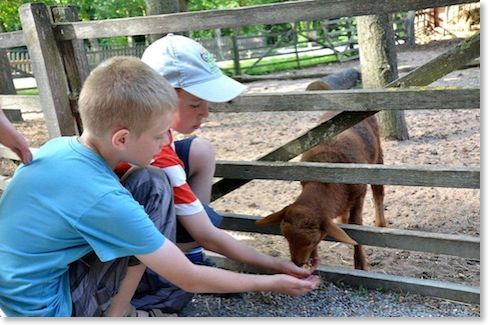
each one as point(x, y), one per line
point(444, 138)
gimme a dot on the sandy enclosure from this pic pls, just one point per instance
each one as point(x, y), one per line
point(444, 138)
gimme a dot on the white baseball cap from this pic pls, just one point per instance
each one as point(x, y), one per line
point(186, 64)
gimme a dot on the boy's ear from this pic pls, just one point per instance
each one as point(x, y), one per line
point(119, 139)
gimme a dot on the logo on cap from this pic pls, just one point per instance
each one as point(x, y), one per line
point(208, 58)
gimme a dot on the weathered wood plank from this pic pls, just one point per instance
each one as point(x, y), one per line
point(432, 176)
point(374, 281)
point(6, 81)
point(421, 241)
point(26, 103)
point(354, 100)
point(48, 68)
point(253, 15)
point(13, 115)
point(12, 39)
point(441, 65)
point(75, 60)
point(317, 101)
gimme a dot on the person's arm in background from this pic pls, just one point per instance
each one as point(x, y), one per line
point(12, 139)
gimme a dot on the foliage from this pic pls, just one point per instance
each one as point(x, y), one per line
point(198, 5)
point(108, 9)
point(33, 91)
point(9, 15)
point(105, 9)
point(87, 10)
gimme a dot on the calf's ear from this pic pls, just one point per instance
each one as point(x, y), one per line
point(334, 231)
point(272, 218)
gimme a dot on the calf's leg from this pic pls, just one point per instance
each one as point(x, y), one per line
point(378, 196)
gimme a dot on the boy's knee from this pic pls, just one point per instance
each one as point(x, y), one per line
point(145, 181)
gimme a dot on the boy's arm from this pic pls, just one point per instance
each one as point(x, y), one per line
point(217, 240)
point(169, 262)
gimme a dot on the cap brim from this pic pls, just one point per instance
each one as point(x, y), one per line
point(219, 90)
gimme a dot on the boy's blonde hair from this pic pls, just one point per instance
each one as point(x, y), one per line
point(124, 92)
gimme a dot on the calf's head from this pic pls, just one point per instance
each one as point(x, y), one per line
point(304, 228)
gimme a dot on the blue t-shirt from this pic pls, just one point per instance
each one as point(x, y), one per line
point(64, 204)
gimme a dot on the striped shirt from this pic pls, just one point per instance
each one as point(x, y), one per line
point(186, 202)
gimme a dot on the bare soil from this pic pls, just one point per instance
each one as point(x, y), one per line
point(443, 138)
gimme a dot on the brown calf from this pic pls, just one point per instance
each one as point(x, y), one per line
point(310, 218)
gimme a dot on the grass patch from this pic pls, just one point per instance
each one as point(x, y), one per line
point(31, 91)
point(274, 64)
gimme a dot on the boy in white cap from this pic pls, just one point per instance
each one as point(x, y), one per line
point(190, 165)
point(194, 73)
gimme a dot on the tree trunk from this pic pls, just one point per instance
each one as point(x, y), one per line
point(183, 5)
point(377, 54)
point(158, 7)
point(410, 27)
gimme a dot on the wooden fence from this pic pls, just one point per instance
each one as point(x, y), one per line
point(60, 67)
point(297, 45)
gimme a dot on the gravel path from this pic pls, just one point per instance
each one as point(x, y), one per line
point(328, 300)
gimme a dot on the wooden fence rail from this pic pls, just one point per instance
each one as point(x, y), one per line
point(229, 18)
point(331, 100)
point(355, 100)
point(12, 39)
point(436, 176)
point(376, 281)
point(421, 241)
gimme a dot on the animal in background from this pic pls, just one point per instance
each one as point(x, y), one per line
point(344, 79)
point(308, 220)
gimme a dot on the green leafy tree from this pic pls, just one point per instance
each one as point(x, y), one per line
point(87, 10)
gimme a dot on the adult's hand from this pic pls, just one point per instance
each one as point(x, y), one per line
point(12, 139)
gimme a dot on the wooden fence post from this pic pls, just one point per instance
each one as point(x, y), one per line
point(295, 42)
point(48, 68)
point(7, 86)
point(6, 83)
point(74, 58)
point(235, 52)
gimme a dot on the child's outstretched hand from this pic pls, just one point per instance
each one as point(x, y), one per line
point(294, 286)
point(291, 268)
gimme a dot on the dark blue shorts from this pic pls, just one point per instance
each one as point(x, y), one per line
point(182, 148)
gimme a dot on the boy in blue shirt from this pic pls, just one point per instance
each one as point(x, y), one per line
point(69, 231)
